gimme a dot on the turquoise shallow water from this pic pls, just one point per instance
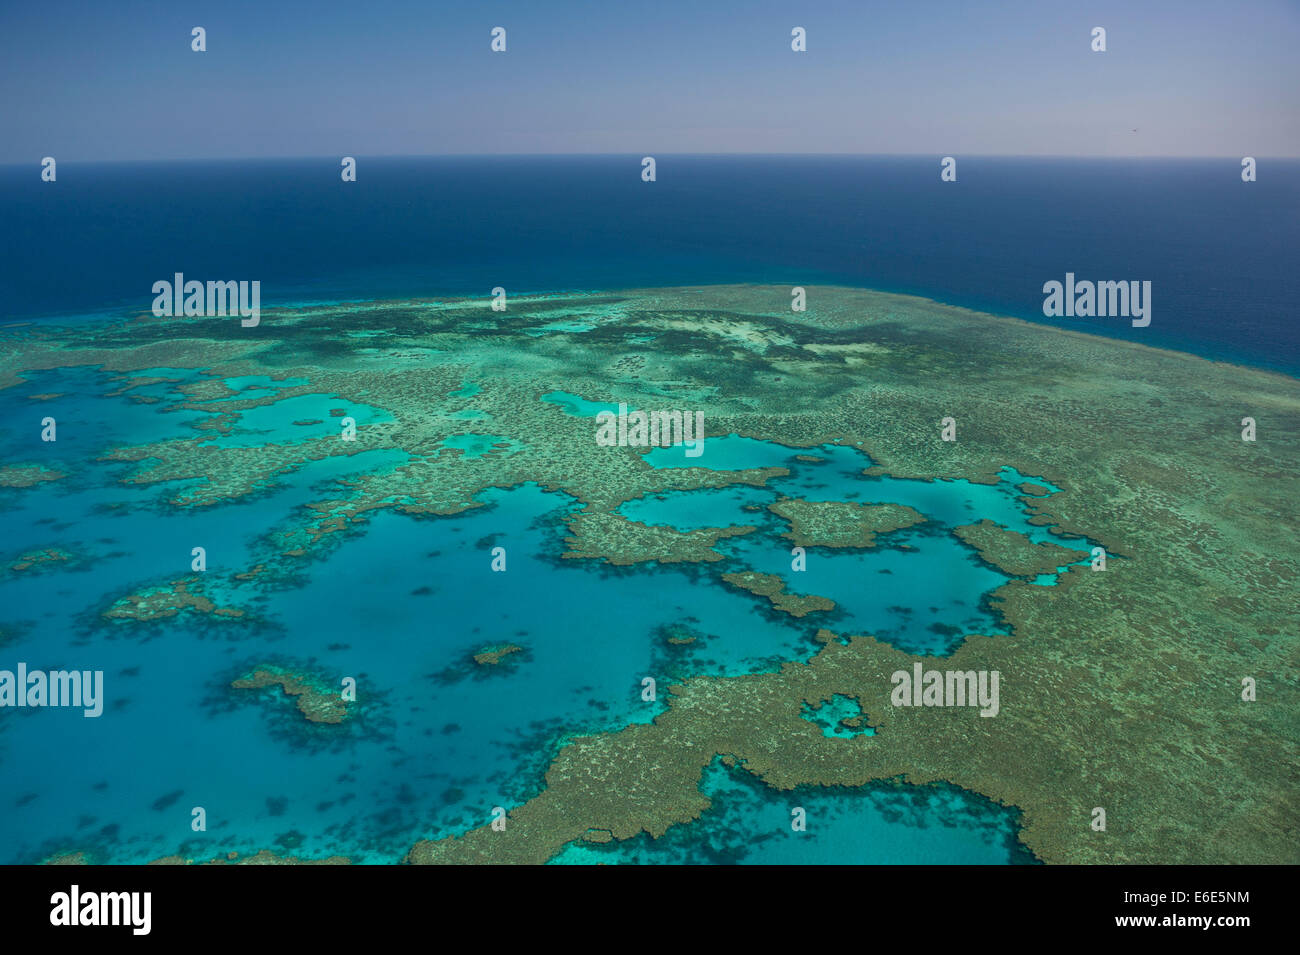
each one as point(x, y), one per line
point(579, 406)
point(401, 605)
point(920, 588)
point(830, 715)
point(277, 423)
point(477, 445)
point(749, 823)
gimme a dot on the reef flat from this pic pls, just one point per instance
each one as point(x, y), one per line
point(153, 603)
point(317, 701)
point(773, 588)
point(41, 559)
point(841, 524)
point(493, 655)
point(1122, 688)
point(1012, 552)
point(262, 857)
point(26, 475)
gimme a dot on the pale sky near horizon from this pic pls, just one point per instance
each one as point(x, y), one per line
point(118, 80)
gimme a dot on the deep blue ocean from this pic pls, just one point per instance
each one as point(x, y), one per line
point(1221, 254)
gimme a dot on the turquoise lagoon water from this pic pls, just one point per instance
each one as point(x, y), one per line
point(477, 445)
point(831, 714)
point(579, 406)
point(920, 588)
point(748, 823)
point(401, 605)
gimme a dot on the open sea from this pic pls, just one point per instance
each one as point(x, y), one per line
point(1221, 254)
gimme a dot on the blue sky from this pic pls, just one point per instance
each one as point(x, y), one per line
point(117, 80)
